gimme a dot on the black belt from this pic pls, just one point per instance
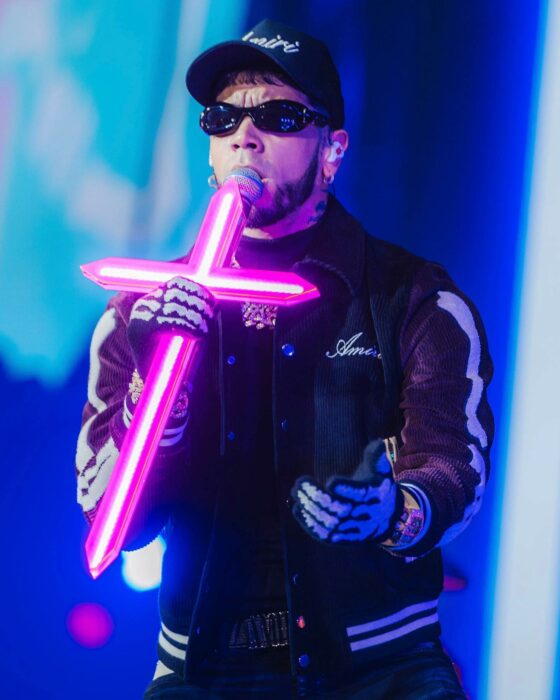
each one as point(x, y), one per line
point(260, 631)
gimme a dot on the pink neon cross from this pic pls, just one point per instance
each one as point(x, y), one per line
point(216, 242)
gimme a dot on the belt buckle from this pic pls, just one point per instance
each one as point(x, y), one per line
point(256, 632)
point(268, 630)
point(260, 631)
point(278, 629)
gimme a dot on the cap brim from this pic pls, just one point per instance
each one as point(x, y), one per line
point(204, 72)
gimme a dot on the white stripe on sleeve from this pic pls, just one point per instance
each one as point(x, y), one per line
point(88, 465)
point(455, 306)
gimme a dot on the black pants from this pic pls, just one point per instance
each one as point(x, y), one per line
point(423, 673)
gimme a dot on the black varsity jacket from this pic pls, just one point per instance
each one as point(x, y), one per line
point(391, 348)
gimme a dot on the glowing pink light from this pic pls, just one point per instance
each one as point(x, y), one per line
point(90, 625)
point(217, 240)
point(279, 288)
point(454, 583)
point(172, 358)
point(211, 247)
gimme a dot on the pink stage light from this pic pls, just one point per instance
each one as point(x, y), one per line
point(217, 240)
point(90, 625)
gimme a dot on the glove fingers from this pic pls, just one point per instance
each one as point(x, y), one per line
point(321, 497)
point(320, 514)
point(347, 511)
point(358, 528)
point(364, 512)
point(344, 488)
point(189, 301)
point(191, 288)
point(310, 525)
point(190, 293)
point(353, 536)
point(357, 492)
point(179, 305)
point(146, 306)
point(183, 317)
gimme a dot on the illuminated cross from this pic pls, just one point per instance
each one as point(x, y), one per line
point(215, 245)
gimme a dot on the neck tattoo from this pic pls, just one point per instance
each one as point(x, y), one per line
point(319, 211)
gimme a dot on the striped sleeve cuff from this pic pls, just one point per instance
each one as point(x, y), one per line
point(172, 649)
point(177, 421)
point(176, 425)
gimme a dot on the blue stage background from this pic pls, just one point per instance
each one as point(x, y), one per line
point(100, 155)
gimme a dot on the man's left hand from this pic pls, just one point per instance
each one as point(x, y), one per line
point(351, 510)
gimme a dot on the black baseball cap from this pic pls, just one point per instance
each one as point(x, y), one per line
point(271, 45)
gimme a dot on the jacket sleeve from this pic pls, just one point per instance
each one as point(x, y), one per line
point(448, 425)
point(106, 416)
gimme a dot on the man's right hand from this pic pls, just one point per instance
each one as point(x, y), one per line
point(179, 306)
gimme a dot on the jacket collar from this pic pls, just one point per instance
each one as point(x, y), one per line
point(339, 245)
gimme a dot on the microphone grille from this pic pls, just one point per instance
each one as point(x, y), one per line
point(249, 183)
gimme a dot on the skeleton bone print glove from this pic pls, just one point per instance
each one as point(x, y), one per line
point(180, 305)
point(351, 510)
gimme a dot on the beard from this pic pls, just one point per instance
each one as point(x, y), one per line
point(287, 197)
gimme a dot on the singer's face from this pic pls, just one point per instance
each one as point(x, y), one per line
point(290, 165)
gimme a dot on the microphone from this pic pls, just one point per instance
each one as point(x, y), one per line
point(250, 185)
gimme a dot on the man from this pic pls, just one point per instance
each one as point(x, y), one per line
point(324, 452)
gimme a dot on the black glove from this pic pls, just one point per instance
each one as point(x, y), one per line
point(180, 305)
point(351, 510)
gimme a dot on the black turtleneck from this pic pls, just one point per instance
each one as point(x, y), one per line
point(259, 560)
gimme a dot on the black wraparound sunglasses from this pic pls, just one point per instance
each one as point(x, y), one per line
point(276, 116)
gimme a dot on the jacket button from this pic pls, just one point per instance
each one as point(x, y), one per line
point(231, 360)
point(231, 435)
point(288, 349)
point(304, 660)
point(284, 424)
point(300, 622)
